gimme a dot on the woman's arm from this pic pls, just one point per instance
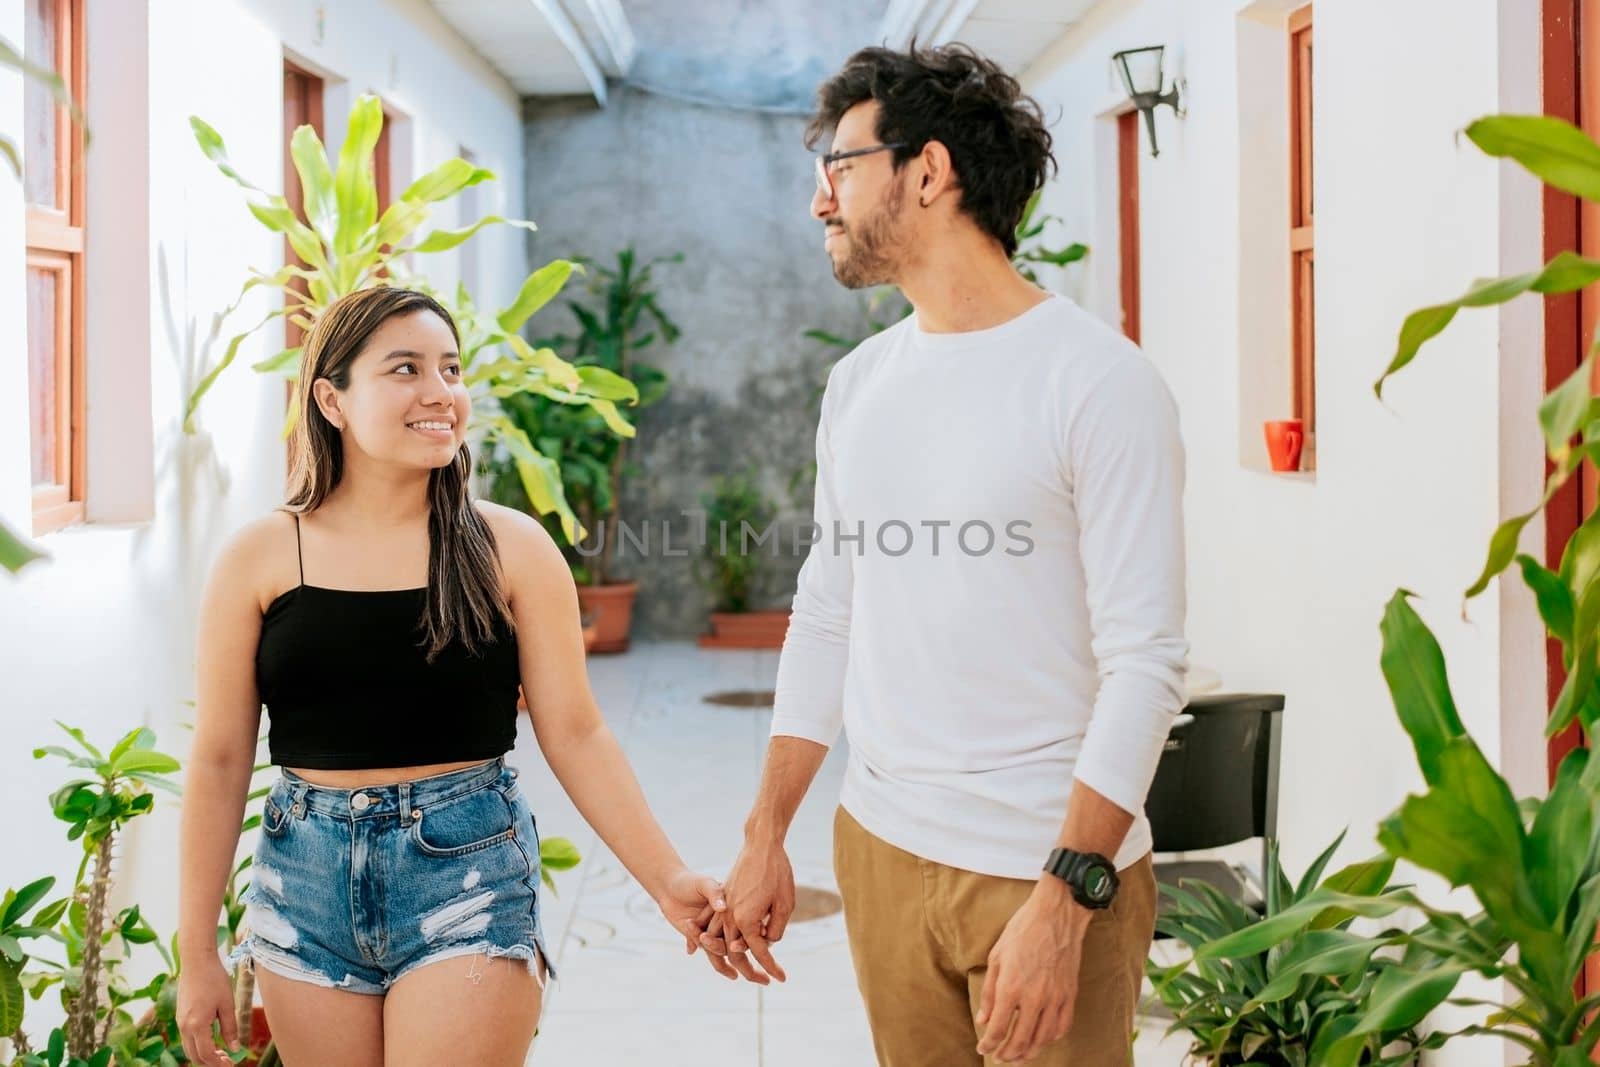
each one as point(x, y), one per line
point(576, 742)
point(227, 719)
point(228, 715)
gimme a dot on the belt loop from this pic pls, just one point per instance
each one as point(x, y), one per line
point(405, 803)
point(297, 794)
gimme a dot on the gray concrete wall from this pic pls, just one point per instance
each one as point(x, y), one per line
point(730, 190)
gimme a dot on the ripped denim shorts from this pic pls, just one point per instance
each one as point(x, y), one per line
point(352, 888)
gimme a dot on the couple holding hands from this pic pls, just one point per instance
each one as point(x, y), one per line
point(1005, 708)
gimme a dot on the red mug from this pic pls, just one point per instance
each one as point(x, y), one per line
point(1284, 439)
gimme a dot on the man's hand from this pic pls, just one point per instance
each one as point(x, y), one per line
point(760, 894)
point(1033, 974)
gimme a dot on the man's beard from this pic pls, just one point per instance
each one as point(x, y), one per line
point(869, 260)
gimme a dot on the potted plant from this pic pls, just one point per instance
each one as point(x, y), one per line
point(1532, 866)
point(621, 317)
point(1277, 1007)
point(737, 511)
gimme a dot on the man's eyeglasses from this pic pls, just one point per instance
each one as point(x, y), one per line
point(825, 163)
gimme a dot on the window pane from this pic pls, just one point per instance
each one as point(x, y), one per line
point(40, 144)
point(43, 296)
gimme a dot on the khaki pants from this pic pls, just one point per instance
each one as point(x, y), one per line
point(920, 935)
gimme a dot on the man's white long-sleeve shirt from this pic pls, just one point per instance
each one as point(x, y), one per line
point(994, 605)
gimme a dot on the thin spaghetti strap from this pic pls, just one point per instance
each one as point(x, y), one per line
point(298, 554)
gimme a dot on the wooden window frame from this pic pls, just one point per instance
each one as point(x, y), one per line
point(1128, 221)
point(1302, 232)
point(55, 241)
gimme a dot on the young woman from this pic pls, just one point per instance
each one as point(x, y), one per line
point(386, 620)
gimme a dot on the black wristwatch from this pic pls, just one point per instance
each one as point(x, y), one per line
point(1092, 877)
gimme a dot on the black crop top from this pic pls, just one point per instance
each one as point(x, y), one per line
point(347, 683)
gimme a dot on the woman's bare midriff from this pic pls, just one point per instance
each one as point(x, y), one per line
point(367, 776)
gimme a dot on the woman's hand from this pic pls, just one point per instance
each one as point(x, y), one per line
point(686, 897)
point(205, 996)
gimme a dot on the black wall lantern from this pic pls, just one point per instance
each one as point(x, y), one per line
point(1141, 74)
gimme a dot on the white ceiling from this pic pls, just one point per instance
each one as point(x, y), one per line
point(1013, 33)
point(546, 47)
point(563, 47)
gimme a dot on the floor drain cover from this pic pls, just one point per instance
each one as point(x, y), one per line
point(811, 903)
point(742, 698)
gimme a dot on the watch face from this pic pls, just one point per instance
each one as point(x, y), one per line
point(1097, 883)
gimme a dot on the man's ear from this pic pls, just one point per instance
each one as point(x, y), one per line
point(326, 398)
point(938, 175)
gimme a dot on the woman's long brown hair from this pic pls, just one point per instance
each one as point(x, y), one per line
point(465, 598)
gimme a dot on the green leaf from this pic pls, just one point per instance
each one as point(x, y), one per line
point(1561, 840)
point(145, 762)
point(445, 181)
point(316, 181)
point(1552, 594)
point(558, 854)
point(1318, 952)
point(398, 221)
point(1263, 935)
point(19, 903)
point(288, 359)
point(77, 735)
point(1414, 666)
point(1309, 880)
point(541, 478)
point(443, 240)
point(15, 553)
point(1567, 408)
point(210, 142)
point(1555, 151)
point(538, 290)
point(51, 914)
point(1059, 257)
point(1565, 273)
point(1402, 999)
point(607, 385)
point(11, 1002)
point(355, 189)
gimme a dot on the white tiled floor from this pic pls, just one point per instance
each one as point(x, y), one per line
point(627, 994)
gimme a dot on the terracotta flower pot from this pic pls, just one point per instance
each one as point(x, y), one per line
point(611, 606)
point(747, 629)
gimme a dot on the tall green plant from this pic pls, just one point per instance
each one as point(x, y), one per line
point(620, 318)
point(346, 245)
point(97, 999)
point(1533, 867)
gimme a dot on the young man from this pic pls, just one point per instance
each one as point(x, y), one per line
point(993, 610)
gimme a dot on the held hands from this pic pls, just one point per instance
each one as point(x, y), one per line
point(689, 901)
point(1033, 975)
point(760, 894)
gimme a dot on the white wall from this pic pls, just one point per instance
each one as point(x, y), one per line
point(1289, 574)
point(101, 635)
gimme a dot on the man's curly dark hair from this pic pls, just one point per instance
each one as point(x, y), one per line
point(995, 133)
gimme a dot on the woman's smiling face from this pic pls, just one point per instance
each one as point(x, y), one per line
point(406, 401)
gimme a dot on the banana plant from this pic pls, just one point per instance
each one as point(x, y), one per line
point(1532, 866)
point(346, 245)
